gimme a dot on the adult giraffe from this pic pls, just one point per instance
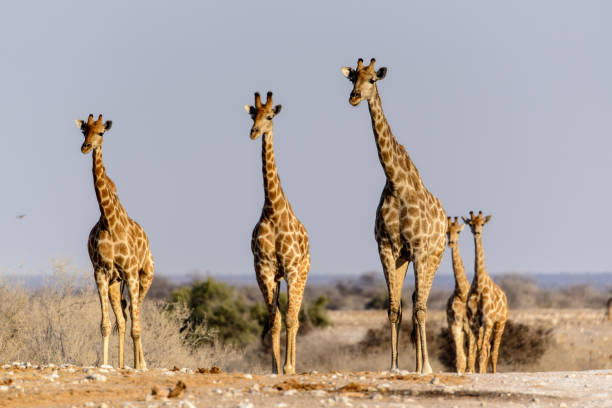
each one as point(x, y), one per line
point(118, 248)
point(410, 221)
point(279, 243)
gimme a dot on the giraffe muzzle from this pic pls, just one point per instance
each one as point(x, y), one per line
point(355, 98)
point(86, 148)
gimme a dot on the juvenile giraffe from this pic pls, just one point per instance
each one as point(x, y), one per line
point(487, 307)
point(456, 315)
point(118, 248)
point(410, 221)
point(280, 243)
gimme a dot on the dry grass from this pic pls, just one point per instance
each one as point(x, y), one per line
point(60, 323)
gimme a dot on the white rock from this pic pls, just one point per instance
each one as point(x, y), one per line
point(248, 376)
point(4, 388)
point(318, 393)
point(245, 404)
point(281, 405)
point(186, 404)
point(435, 381)
point(289, 393)
point(96, 377)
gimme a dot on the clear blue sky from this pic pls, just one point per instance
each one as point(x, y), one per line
point(504, 107)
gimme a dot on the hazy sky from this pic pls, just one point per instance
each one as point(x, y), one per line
point(504, 107)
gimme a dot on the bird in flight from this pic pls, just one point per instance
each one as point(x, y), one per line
point(20, 216)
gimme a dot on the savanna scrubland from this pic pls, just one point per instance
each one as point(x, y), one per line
point(209, 335)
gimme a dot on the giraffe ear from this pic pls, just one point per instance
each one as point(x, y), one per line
point(249, 109)
point(381, 73)
point(277, 109)
point(465, 220)
point(108, 124)
point(347, 72)
point(487, 219)
point(79, 123)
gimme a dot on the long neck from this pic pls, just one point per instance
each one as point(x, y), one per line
point(461, 281)
point(272, 187)
point(104, 193)
point(479, 269)
point(393, 157)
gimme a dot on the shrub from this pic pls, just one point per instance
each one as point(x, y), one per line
point(520, 345)
point(220, 309)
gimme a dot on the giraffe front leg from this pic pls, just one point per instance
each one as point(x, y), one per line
point(485, 347)
point(394, 276)
point(105, 326)
point(133, 288)
point(457, 332)
point(424, 270)
point(498, 331)
point(115, 300)
point(295, 293)
point(270, 291)
point(471, 364)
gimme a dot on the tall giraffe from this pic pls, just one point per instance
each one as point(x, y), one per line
point(456, 315)
point(487, 306)
point(118, 248)
point(410, 221)
point(280, 243)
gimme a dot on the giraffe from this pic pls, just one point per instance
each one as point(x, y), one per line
point(410, 221)
point(609, 309)
point(279, 243)
point(456, 307)
point(118, 248)
point(487, 306)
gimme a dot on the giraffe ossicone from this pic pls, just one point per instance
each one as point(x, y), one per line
point(118, 248)
point(279, 242)
point(410, 221)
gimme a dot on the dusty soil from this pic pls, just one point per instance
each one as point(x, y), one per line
point(581, 342)
point(69, 386)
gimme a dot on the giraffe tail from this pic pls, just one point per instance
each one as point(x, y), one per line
point(124, 305)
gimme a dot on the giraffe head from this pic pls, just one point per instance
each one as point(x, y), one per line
point(93, 130)
point(453, 230)
point(364, 80)
point(476, 222)
point(262, 115)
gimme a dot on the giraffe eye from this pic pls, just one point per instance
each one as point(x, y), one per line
point(269, 118)
point(372, 81)
point(101, 134)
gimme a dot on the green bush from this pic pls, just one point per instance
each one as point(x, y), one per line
point(225, 313)
point(221, 309)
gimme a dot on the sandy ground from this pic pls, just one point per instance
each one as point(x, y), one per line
point(581, 340)
point(105, 387)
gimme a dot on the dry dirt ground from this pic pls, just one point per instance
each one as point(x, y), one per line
point(581, 340)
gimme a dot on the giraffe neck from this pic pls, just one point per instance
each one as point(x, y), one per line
point(461, 282)
point(274, 195)
point(480, 273)
point(393, 157)
point(105, 193)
